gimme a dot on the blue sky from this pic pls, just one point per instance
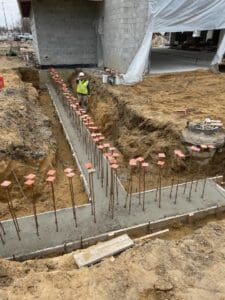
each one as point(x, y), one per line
point(12, 12)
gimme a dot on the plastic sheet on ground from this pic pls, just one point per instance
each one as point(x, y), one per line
point(177, 16)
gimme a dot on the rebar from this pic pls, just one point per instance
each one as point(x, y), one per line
point(70, 177)
point(160, 165)
point(19, 185)
point(139, 160)
point(6, 184)
point(3, 229)
point(133, 164)
point(50, 181)
point(204, 186)
point(144, 167)
point(171, 189)
point(190, 190)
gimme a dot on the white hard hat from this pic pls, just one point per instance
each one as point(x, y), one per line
point(81, 74)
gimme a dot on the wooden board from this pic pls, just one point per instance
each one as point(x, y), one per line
point(96, 253)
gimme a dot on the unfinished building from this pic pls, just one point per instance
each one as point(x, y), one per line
point(86, 33)
point(139, 162)
point(116, 34)
point(147, 160)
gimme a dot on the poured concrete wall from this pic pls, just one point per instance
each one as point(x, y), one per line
point(64, 31)
point(124, 29)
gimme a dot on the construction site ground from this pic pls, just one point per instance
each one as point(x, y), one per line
point(32, 141)
point(140, 121)
point(186, 265)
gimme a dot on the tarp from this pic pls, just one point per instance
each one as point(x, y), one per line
point(220, 52)
point(177, 16)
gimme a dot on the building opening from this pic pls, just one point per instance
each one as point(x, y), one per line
point(183, 51)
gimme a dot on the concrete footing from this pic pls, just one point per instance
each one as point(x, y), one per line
point(69, 237)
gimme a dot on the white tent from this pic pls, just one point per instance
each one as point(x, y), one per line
point(177, 16)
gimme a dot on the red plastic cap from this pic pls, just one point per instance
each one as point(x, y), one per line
point(181, 155)
point(6, 183)
point(162, 155)
point(161, 163)
point(29, 182)
point(177, 152)
point(51, 172)
point(50, 179)
point(133, 162)
point(140, 159)
point(70, 175)
point(100, 147)
point(30, 177)
point(88, 166)
point(114, 166)
point(195, 149)
point(106, 145)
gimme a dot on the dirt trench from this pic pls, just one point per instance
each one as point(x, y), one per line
point(141, 120)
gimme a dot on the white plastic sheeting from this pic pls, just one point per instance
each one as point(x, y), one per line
point(220, 52)
point(177, 16)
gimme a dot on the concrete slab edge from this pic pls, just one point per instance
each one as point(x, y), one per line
point(143, 228)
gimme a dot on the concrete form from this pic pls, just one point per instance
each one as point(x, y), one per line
point(70, 237)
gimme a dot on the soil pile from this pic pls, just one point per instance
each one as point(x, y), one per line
point(25, 133)
point(32, 141)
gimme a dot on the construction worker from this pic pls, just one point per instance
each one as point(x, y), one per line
point(83, 90)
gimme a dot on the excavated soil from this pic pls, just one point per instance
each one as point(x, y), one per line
point(186, 265)
point(191, 267)
point(31, 141)
point(142, 120)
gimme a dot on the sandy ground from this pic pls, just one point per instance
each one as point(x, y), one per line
point(10, 63)
point(187, 268)
point(139, 120)
point(142, 120)
point(32, 141)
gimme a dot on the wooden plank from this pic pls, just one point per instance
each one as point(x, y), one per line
point(96, 253)
point(152, 235)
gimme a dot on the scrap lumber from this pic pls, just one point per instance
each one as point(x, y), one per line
point(96, 253)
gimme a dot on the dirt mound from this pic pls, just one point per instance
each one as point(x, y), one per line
point(28, 135)
point(32, 141)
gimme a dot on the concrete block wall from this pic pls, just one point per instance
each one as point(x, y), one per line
point(124, 29)
point(64, 31)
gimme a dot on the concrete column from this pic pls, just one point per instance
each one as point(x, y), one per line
point(124, 29)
